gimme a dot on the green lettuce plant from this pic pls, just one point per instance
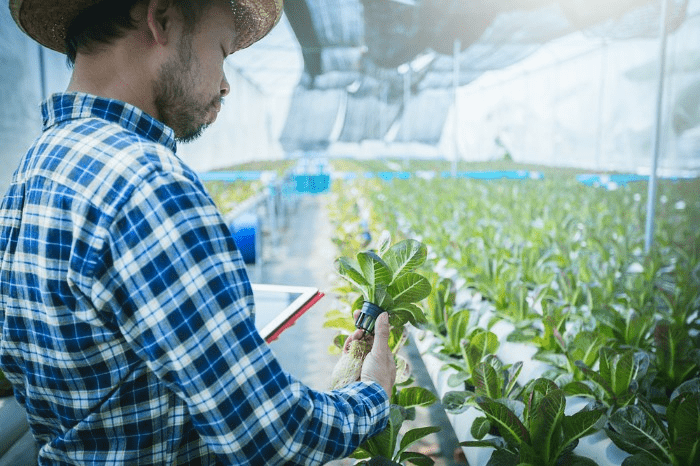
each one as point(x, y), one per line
point(617, 380)
point(439, 304)
point(473, 348)
point(677, 355)
point(388, 277)
point(654, 439)
point(534, 431)
point(390, 447)
point(491, 379)
point(388, 282)
point(624, 325)
point(457, 326)
point(583, 347)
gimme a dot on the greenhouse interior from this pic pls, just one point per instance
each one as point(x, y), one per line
point(539, 161)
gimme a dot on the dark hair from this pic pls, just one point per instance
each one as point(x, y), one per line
point(111, 19)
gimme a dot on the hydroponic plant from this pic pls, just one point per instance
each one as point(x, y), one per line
point(390, 447)
point(534, 431)
point(656, 439)
point(388, 282)
point(388, 278)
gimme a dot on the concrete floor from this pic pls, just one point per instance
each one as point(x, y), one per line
point(304, 256)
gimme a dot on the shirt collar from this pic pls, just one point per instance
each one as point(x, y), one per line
point(63, 107)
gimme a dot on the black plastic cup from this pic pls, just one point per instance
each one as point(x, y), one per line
point(368, 316)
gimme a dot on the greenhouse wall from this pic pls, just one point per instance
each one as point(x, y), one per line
point(589, 102)
point(21, 91)
point(247, 128)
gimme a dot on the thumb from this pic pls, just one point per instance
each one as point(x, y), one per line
point(381, 332)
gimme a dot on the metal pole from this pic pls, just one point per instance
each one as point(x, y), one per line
point(42, 73)
point(601, 103)
point(383, 112)
point(651, 197)
point(455, 85)
point(406, 97)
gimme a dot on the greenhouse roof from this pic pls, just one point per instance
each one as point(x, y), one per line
point(378, 55)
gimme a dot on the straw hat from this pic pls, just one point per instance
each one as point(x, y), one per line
point(46, 21)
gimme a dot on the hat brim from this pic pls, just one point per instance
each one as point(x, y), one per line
point(47, 21)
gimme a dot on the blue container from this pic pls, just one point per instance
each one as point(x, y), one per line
point(313, 184)
point(246, 234)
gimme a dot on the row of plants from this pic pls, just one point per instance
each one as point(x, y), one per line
point(561, 266)
point(228, 194)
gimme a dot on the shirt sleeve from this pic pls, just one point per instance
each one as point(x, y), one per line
point(185, 307)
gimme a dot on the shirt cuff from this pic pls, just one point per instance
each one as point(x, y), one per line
point(375, 404)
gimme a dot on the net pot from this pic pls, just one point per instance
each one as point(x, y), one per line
point(368, 316)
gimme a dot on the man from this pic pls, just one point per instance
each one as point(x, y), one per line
point(125, 308)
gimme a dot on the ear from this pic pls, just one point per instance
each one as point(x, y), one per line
point(160, 19)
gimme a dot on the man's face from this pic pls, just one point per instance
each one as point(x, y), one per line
point(191, 86)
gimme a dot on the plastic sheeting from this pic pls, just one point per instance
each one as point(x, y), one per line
point(588, 102)
point(23, 84)
point(424, 117)
point(312, 119)
point(491, 36)
point(367, 117)
point(247, 128)
point(556, 82)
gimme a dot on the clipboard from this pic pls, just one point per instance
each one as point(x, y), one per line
point(277, 307)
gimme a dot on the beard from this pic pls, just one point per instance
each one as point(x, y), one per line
point(175, 99)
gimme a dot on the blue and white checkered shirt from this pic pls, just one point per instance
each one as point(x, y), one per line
point(126, 311)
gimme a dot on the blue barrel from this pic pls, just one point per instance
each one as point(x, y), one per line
point(246, 231)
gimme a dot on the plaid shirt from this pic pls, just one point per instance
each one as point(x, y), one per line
point(127, 315)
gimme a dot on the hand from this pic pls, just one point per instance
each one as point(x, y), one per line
point(379, 365)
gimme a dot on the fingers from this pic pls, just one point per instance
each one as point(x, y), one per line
point(358, 334)
point(381, 333)
point(379, 365)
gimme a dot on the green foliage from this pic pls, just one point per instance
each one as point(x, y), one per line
point(439, 304)
point(386, 447)
point(617, 379)
point(542, 435)
point(567, 356)
point(677, 355)
point(458, 325)
point(490, 378)
point(387, 277)
point(625, 326)
point(390, 280)
point(473, 348)
point(564, 263)
point(654, 439)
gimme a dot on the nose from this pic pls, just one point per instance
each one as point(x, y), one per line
point(225, 87)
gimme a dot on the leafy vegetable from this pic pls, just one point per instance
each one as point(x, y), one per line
point(385, 447)
point(640, 430)
point(491, 379)
point(543, 435)
point(389, 281)
point(617, 378)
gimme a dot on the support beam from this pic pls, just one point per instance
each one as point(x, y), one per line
point(455, 86)
point(651, 197)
